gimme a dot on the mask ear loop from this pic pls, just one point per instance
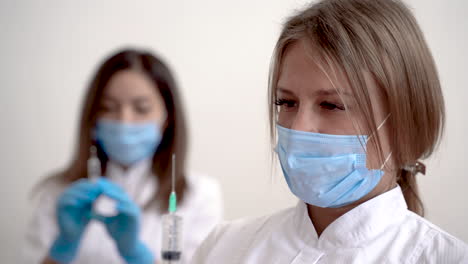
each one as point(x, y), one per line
point(386, 160)
point(373, 133)
point(380, 126)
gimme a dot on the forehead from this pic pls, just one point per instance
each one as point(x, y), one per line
point(300, 70)
point(303, 70)
point(130, 83)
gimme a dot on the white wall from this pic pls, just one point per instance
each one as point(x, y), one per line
point(444, 187)
point(220, 51)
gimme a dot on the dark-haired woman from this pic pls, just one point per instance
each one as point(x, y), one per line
point(133, 119)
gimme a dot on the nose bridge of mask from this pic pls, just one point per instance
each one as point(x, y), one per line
point(120, 127)
point(316, 143)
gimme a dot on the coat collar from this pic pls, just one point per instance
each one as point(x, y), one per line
point(361, 224)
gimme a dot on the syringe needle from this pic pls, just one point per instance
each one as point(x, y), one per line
point(173, 172)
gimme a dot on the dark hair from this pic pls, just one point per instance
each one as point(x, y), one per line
point(174, 139)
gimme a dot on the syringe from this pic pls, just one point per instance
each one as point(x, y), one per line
point(94, 165)
point(103, 205)
point(171, 251)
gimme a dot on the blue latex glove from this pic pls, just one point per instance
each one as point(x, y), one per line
point(125, 226)
point(73, 213)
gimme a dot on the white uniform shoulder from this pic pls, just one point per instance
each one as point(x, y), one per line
point(438, 246)
point(202, 210)
point(250, 227)
point(202, 191)
point(48, 189)
point(240, 233)
point(202, 182)
point(42, 226)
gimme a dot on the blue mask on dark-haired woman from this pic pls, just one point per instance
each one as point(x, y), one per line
point(128, 143)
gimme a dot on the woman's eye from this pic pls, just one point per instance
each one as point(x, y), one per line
point(142, 109)
point(107, 108)
point(331, 106)
point(286, 104)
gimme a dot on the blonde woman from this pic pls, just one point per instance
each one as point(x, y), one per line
point(355, 103)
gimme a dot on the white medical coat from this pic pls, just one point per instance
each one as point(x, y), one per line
point(201, 211)
point(381, 230)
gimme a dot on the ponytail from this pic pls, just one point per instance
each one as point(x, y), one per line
point(407, 181)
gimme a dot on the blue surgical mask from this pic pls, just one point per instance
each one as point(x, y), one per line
point(128, 143)
point(326, 170)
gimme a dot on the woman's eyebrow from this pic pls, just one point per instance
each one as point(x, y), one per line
point(319, 92)
point(140, 99)
point(332, 92)
point(108, 97)
point(285, 91)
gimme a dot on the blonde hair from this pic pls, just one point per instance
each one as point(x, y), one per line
point(381, 38)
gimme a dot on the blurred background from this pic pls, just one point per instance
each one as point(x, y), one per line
point(220, 52)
